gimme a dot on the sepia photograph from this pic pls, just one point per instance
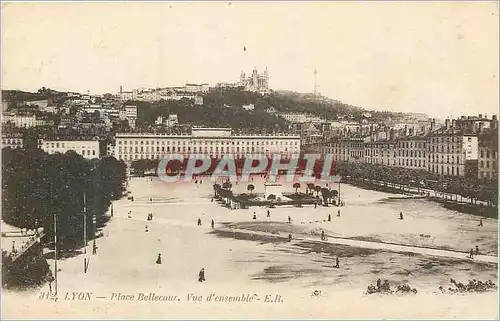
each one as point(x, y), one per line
point(249, 160)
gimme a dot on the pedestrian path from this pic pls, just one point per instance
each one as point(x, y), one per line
point(399, 248)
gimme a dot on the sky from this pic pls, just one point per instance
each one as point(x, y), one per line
point(438, 58)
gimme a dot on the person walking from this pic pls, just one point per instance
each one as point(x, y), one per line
point(329, 217)
point(400, 215)
point(289, 220)
point(158, 260)
point(290, 237)
point(338, 213)
point(50, 279)
point(471, 255)
point(268, 213)
point(337, 262)
point(199, 221)
point(213, 223)
point(322, 235)
point(480, 222)
point(254, 216)
point(477, 250)
point(201, 275)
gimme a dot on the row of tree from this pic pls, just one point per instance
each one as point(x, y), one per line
point(37, 187)
point(456, 186)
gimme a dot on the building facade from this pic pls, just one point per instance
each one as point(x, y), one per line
point(255, 82)
point(131, 115)
point(452, 152)
point(215, 142)
point(87, 148)
point(488, 154)
point(14, 140)
point(350, 149)
point(411, 152)
point(23, 121)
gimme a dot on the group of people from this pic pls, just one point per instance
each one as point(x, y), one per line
point(385, 288)
point(212, 223)
point(472, 286)
point(330, 216)
point(474, 252)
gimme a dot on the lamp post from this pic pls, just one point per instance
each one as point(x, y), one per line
point(85, 232)
point(112, 199)
point(55, 253)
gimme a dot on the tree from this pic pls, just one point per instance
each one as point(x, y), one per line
point(37, 186)
point(296, 186)
point(271, 197)
point(310, 187)
point(217, 188)
point(250, 188)
point(317, 189)
point(326, 194)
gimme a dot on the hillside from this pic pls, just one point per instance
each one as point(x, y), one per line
point(223, 107)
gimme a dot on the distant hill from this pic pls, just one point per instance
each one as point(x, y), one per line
point(18, 95)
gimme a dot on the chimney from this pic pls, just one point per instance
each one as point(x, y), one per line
point(391, 134)
point(463, 117)
point(121, 89)
point(453, 123)
point(406, 130)
point(494, 117)
point(433, 124)
point(447, 123)
point(480, 116)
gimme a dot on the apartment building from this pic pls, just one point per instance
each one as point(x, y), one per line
point(452, 152)
point(351, 149)
point(381, 152)
point(411, 152)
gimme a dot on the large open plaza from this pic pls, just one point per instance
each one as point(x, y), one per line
point(243, 255)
